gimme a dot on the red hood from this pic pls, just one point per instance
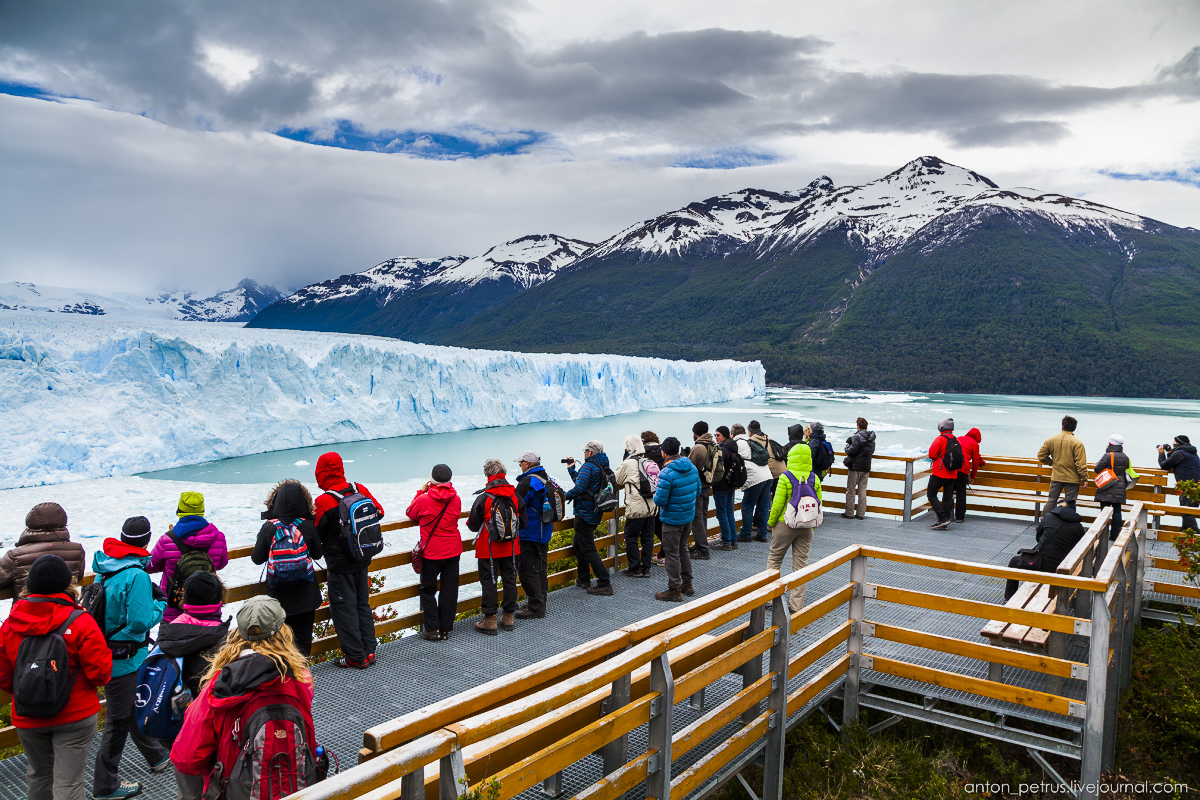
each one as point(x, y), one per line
point(442, 491)
point(975, 434)
point(34, 619)
point(498, 486)
point(330, 472)
point(115, 548)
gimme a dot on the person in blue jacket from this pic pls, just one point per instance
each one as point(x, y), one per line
point(131, 609)
point(678, 485)
point(589, 480)
point(535, 536)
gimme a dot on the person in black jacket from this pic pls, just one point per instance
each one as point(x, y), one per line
point(723, 492)
point(196, 634)
point(860, 447)
point(1185, 464)
point(1058, 532)
point(290, 502)
point(1113, 495)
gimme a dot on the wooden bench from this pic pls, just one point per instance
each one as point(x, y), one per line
point(1033, 596)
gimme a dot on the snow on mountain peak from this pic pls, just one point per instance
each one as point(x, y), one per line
point(238, 304)
point(384, 281)
point(528, 260)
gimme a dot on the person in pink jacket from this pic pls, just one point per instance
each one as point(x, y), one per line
point(193, 530)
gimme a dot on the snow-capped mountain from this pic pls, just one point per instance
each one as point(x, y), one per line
point(381, 283)
point(238, 304)
point(527, 261)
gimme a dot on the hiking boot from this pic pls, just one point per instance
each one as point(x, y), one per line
point(687, 589)
point(603, 591)
point(126, 789)
point(632, 572)
point(506, 621)
point(644, 572)
point(940, 526)
point(860, 517)
point(163, 765)
point(762, 538)
point(723, 546)
point(524, 613)
point(731, 545)
point(670, 596)
point(847, 516)
point(349, 663)
point(431, 636)
point(699, 556)
point(445, 635)
point(583, 584)
point(743, 538)
point(487, 625)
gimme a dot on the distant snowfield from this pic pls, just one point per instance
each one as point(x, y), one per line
point(86, 397)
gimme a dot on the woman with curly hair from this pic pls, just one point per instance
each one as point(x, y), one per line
point(290, 506)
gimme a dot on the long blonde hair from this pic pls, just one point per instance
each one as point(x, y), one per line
point(280, 648)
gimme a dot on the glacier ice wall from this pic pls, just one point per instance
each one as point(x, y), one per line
point(89, 397)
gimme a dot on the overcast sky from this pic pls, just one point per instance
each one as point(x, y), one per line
point(161, 145)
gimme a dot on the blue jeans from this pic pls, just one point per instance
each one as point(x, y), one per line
point(756, 507)
point(724, 503)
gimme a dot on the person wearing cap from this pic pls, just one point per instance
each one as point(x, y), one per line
point(1069, 465)
point(723, 490)
point(289, 503)
point(675, 497)
point(640, 511)
point(193, 530)
point(532, 565)
point(257, 666)
point(941, 482)
point(496, 560)
point(589, 480)
point(436, 510)
point(702, 455)
point(1182, 461)
point(1112, 494)
point(56, 748)
point(972, 461)
point(131, 610)
point(45, 532)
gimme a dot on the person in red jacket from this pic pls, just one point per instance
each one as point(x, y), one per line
point(941, 482)
point(436, 509)
point(496, 559)
point(56, 747)
point(972, 461)
point(349, 587)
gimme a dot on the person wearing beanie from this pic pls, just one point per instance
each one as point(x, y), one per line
point(131, 610)
point(589, 480)
point(56, 748)
point(704, 456)
point(1113, 494)
point(723, 490)
point(436, 510)
point(45, 532)
point(1181, 460)
point(822, 450)
point(675, 498)
point(191, 531)
point(941, 482)
point(1066, 455)
point(972, 461)
point(537, 490)
point(197, 633)
point(290, 504)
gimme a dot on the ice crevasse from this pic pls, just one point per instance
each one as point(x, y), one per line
point(90, 397)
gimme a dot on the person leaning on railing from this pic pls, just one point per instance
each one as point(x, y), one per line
point(1068, 459)
point(1185, 464)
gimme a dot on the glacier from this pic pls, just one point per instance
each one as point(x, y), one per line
point(86, 397)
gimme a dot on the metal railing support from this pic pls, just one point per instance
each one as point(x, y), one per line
point(551, 787)
point(858, 604)
point(412, 785)
point(658, 780)
point(752, 669)
point(616, 752)
point(613, 548)
point(1097, 690)
point(452, 776)
point(773, 758)
point(908, 490)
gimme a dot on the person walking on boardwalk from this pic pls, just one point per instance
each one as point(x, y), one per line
point(534, 489)
point(946, 455)
point(703, 456)
point(675, 497)
point(55, 729)
point(590, 479)
point(131, 609)
point(1112, 493)
point(45, 532)
point(783, 536)
point(637, 476)
point(497, 515)
point(972, 461)
point(723, 490)
point(192, 544)
point(1068, 459)
point(1182, 461)
point(348, 518)
point(756, 491)
point(436, 510)
point(860, 448)
point(290, 511)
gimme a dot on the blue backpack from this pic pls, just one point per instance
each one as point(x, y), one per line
point(287, 561)
point(162, 698)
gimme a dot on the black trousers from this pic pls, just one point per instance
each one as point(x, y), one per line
point(534, 580)
point(506, 571)
point(639, 542)
point(120, 695)
point(439, 608)
point(350, 610)
point(960, 496)
point(1189, 520)
point(586, 556)
point(943, 507)
point(302, 625)
point(1114, 526)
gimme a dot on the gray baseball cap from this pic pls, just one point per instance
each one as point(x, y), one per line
point(594, 446)
point(260, 613)
point(532, 456)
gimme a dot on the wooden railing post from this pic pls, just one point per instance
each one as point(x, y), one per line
point(1142, 543)
point(452, 776)
point(908, 490)
point(658, 780)
point(854, 646)
point(412, 785)
point(752, 669)
point(1097, 691)
point(773, 758)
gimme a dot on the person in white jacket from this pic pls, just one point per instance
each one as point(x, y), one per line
point(640, 511)
point(756, 494)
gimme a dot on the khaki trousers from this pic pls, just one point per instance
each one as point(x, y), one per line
point(799, 540)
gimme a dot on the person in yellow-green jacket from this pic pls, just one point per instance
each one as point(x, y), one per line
point(783, 536)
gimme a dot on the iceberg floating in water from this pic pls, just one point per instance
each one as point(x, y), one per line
point(90, 397)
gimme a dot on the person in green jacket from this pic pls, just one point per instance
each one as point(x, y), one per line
point(132, 608)
point(783, 537)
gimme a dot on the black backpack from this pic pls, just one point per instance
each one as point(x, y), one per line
point(735, 469)
point(95, 601)
point(952, 456)
point(555, 508)
point(778, 451)
point(605, 497)
point(822, 457)
point(503, 522)
point(42, 674)
point(359, 519)
point(191, 561)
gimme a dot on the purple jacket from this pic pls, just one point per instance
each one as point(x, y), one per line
point(196, 531)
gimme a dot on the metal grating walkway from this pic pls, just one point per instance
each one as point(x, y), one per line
point(412, 673)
